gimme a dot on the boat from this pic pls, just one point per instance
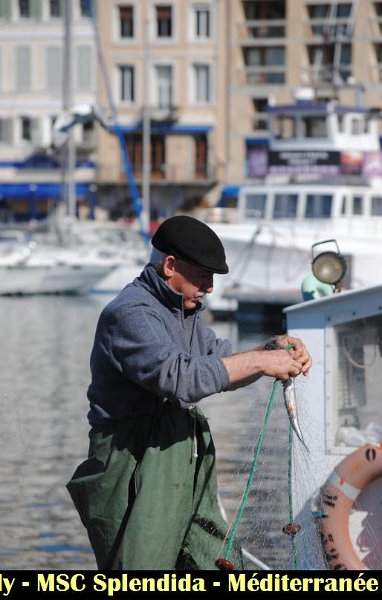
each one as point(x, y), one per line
point(337, 485)
point(320, 178)
point(28, 267)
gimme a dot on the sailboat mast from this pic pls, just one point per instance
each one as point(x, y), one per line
point(146, 129)
point(69, 161)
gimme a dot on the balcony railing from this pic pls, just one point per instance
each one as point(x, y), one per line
point(262, 75)
point(171, 173)
point(261, 29)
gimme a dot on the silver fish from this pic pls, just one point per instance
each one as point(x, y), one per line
point(290, 404)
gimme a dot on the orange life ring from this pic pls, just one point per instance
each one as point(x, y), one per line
point(348, 479)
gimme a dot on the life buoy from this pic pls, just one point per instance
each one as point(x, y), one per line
point(348, 479)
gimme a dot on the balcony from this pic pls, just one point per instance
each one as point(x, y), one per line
point(263, 75)
point(168, 173)
point(328, 31)
point(262, 30)
point(162, 114)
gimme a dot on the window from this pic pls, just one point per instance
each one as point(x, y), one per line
point(265, 65)
point(313, 127)
point(28, 129)
point(358, 362)
point(5, 9)
point(202, 22)
point(163, 76)
point(202, 83)
point(6, 135)
point(318, 206)
point(357, 205)
point(25, 9)
point(85, 8)
point(23, 69)
point(164, 21)
point(53, 68)
point(127, 83)
point(376, 206)
point(126, 21)
point(157, 154)
point(263, 9)
point(285, 206)
point(55, 8)
point(255, 206)
point(201, 157)
point(88, 134)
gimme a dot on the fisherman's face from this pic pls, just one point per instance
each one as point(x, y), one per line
point(191, 281)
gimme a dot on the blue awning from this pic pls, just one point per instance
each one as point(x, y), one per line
point(257, 141)
point(230, 190)
point(168, 128)
point(38, 191)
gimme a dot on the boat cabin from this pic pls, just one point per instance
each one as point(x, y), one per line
point(323, 126)
point(339, 405)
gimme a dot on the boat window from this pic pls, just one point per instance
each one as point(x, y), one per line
point(358, 382)
point(255, 206)
point(284, 127)
point(357, 205)
point(285, 206)
point(358, 126)
point(376, 206)
point(318, 206)
point(314, 127)
point(343, 206)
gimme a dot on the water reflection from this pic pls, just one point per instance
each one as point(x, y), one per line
point(45, 348)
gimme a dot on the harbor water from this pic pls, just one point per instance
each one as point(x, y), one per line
point(45, 348)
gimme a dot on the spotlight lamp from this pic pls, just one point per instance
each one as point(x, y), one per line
point(328, 266)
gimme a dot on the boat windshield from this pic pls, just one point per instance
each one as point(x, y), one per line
point(318, 206)
point(285, 206)
point(255, 206)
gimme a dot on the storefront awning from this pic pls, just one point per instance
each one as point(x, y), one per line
point(36, 191)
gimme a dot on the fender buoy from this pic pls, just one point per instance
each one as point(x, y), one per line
point(348, 479)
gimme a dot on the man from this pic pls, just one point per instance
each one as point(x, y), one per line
point(147, 493)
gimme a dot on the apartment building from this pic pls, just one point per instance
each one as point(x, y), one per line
point(187, 83)
point(201, 73)
point(34, 63)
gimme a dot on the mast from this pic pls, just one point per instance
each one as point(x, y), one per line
point(146, 132)
point(69, 161)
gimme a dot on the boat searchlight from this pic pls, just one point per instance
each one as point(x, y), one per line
point(328, 266)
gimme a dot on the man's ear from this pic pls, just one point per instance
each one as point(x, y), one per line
point(169, 266)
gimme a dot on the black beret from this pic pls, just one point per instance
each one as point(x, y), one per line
point(192, 241)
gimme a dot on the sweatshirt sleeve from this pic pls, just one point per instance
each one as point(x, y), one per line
point(142, 349)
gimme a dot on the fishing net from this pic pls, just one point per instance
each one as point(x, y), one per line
point(275, 507)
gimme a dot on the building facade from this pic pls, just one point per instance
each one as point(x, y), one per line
point(185, 82)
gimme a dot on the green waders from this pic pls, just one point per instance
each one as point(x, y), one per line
point(147, 501)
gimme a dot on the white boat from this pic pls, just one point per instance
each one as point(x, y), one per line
point(29, 267)
point(320, 179)
point(337, 485)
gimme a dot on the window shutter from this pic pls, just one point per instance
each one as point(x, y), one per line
point(6, 131)
point(84, 69)
point(36, 9)
point(53, 68)
point(5, 9)
point(23, 68)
